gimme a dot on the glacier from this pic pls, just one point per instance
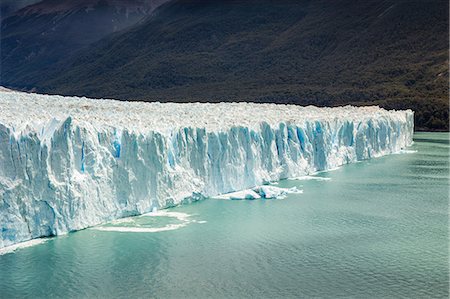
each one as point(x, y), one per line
point(68, 163)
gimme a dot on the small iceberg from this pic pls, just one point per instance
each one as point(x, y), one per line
point(264, 192)
point(404, 151)
point(239, 195)
point(275, 192)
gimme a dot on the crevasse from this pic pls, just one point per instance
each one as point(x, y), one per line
point(68, 163)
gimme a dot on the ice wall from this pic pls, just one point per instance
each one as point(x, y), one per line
point(70, 163)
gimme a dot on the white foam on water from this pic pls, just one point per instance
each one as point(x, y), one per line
point(310, 178)
point(123, 220)
point(13, 248)
point(330, 170)
point(183, 217)
point(178, 215)
point(407, 152)
point(140, 229)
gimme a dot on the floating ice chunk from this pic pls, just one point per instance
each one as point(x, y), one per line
point(275, 192)
point(407, 151)
point(239, 195)
point(264, 191)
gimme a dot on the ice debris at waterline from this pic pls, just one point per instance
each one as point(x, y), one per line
point(25, 244)
point(266, 192)
point(68, 163)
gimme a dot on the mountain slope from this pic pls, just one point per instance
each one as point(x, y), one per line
point(38, 37)
point(8, 7)
point(393, 53)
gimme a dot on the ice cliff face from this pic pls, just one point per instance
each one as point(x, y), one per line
point(67, 163)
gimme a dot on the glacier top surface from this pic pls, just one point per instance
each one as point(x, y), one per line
point(19, 110)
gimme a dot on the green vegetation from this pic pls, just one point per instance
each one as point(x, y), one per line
point(38, 40)
point(392, 53)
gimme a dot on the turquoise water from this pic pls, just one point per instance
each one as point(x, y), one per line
point(376, 229)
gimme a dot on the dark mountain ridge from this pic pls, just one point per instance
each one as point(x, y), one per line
point(392, 53)
point(67, 7)
point(8, 7)
point(39, 39)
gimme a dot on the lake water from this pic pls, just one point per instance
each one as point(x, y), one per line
point(375, 229)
